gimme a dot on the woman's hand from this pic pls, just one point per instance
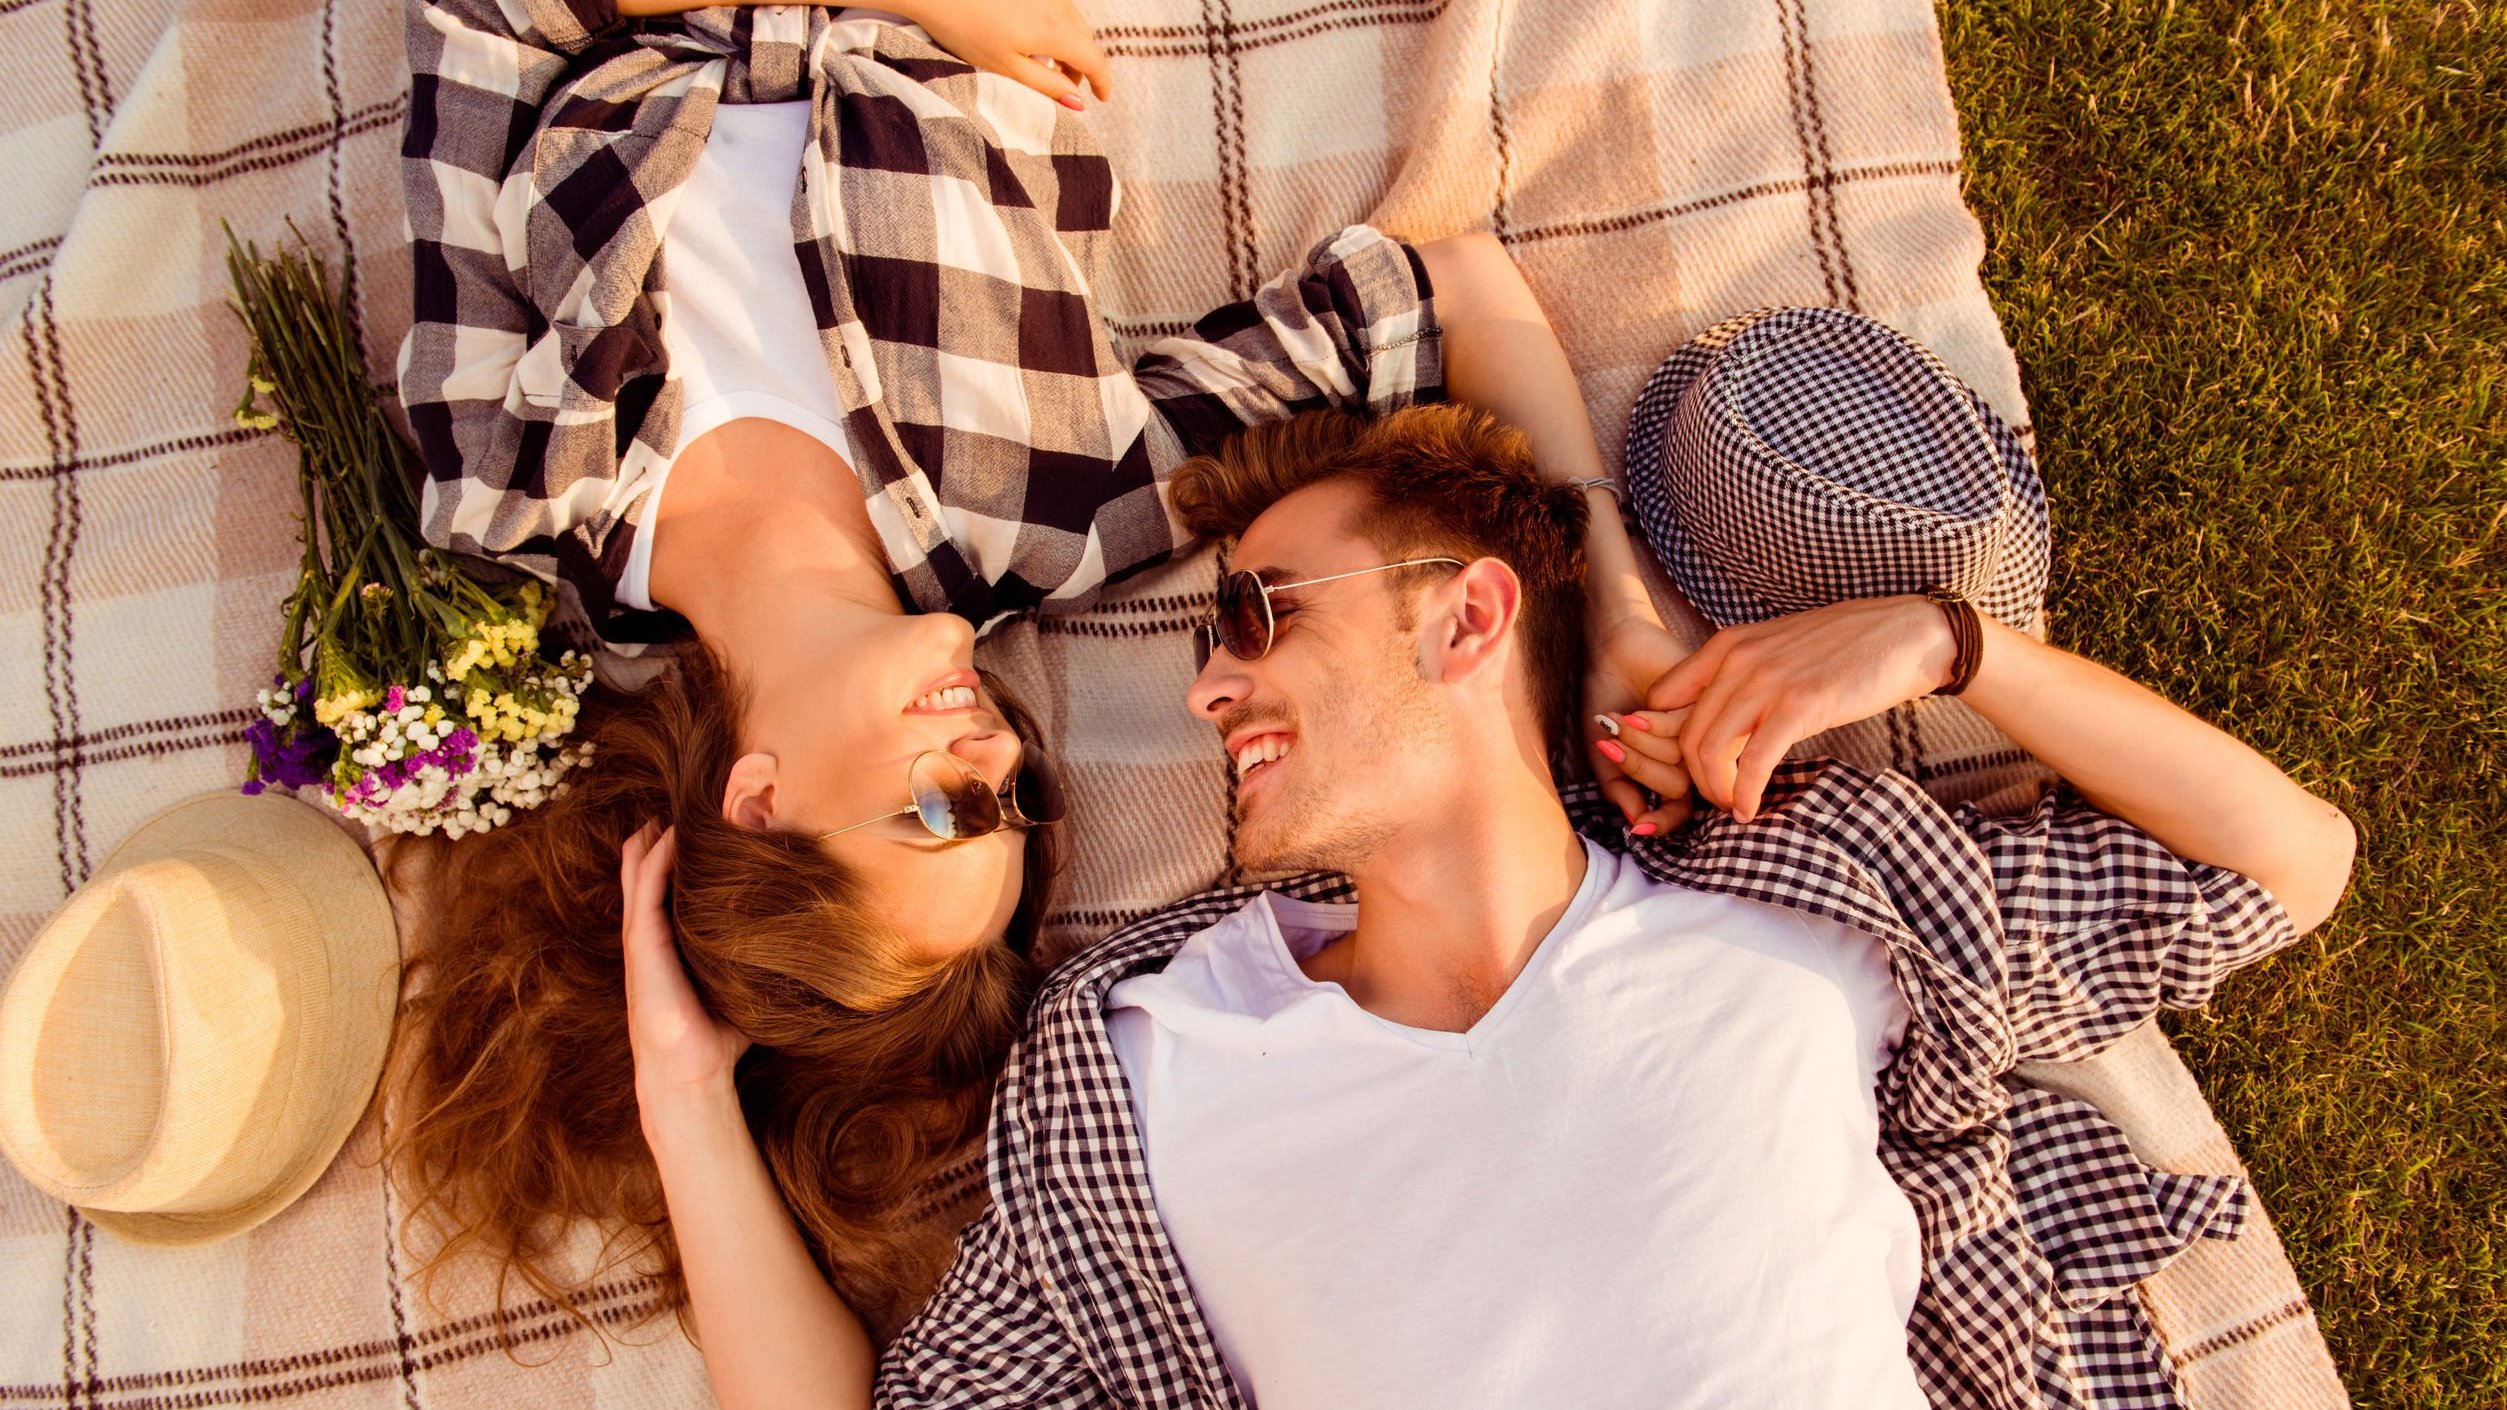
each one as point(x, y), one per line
point(1624, 659)
point(683, 1054)
point(1045, 44)
point(1754, 691)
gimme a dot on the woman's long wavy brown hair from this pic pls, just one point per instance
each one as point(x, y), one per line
point(514, 1106)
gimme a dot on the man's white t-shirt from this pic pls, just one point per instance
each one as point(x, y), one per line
point(1649, 1176)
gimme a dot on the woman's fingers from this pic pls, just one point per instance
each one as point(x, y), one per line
point(631, 873)
point(1653, 733)
point(1082, 58)
point(1625, 794)
point(1665, 778)
point(1045, 77)
point(644, 875)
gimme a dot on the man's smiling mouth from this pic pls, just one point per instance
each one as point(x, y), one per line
point(1261, 750)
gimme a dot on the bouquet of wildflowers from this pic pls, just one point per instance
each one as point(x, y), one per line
point(412, 693)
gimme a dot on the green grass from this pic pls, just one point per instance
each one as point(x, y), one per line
point(2253, 257)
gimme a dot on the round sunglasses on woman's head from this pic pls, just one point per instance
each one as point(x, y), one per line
point(1240, 620)
point(954, 802)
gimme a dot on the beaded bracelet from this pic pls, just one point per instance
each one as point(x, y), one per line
point(1966, 630)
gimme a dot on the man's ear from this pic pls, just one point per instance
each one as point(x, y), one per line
point(749, 794)
point(1475, 616)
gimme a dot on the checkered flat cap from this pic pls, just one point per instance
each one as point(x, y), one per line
point(1792, 457)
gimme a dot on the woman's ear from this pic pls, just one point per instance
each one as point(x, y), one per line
point(749, 794)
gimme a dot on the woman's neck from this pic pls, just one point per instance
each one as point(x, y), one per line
point(763, 533)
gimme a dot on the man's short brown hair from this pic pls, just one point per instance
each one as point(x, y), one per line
point(1439, 479)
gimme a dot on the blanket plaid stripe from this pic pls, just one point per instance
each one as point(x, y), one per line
point(1692, 160)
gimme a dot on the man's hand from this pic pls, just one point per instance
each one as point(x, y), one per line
point(1754, 691)
point(1045, 44)
point(682, 1052)
point(1622, 660)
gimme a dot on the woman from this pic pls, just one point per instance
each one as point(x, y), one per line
point(774, 328)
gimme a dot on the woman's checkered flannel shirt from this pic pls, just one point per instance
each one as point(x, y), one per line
point(951, 227)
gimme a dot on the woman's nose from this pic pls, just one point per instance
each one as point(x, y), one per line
point(993, 752)
point(952, 636)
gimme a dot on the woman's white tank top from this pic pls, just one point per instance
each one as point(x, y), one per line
point(736, 322)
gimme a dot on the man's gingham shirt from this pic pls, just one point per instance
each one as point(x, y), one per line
point(2043, 936)
point(950, 225)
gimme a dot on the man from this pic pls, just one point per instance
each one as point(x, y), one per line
point(1719, 1121)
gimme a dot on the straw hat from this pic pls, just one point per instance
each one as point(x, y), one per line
point(1791, 457)
point(191, 1038)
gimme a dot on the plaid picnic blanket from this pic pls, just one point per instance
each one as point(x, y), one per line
point(1655, 165)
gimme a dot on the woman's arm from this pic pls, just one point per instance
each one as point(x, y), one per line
point(1730, 711)
point(1501, 355)
point(773, 1332)
point(1007, 37)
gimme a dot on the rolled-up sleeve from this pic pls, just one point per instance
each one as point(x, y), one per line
point(2103, 925)
point(1353, 326)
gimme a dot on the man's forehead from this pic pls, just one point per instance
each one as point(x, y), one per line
point(1307, 531)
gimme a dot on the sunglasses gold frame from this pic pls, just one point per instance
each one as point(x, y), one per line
point(1212, 639)
point(1007, 813)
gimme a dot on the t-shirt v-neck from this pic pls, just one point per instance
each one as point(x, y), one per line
point(1648, 1176)
point(1297, 930)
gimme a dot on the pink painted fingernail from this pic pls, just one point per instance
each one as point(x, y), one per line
point(1611, 751)
point(1636, 722)
point(1070, 101)
point(1644, 829)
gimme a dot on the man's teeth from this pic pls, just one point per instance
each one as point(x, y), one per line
point(1260, 752)
point(956, 697)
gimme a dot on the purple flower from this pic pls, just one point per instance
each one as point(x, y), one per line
point(395, 698)
point(301, 756)
point(460, 751)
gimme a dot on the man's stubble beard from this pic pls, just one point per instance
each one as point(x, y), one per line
point(1313, 825)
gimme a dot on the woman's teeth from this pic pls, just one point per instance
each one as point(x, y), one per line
point(1260, 752)
point(956, 697)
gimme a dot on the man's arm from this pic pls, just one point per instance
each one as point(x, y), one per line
point(1731, 710)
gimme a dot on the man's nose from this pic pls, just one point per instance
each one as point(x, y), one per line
point(1221, 683)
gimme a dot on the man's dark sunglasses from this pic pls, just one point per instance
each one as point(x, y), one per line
point(1241, 622)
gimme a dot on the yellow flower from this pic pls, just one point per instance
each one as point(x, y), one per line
point(331, 709)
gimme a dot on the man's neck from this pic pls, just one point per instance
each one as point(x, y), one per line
point(1448, 918)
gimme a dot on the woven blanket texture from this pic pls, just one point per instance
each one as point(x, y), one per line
point(1655, 166)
